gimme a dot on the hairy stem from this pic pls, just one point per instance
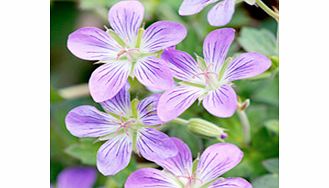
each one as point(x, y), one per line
point(268, 10)
point(245, 125)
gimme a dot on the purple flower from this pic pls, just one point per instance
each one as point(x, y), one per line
point(76, 177)
point(126, 50)
point(209, 79)
point(219, 15)
point(126, 126)
point(181, 172)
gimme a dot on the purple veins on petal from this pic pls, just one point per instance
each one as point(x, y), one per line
point(114, 155)
point(182, 64)
point(153, 144)
point(246, 65)
point(221, 14)
point(181, 164)
point(161, 35)
point(221, 102)
point(107, 80)
point(149, 177)
point(147, 109)
point(231, 183)
point(125, 18)
point(76, 177)
point(91, 43)
point(153, 72)
point(216, 46)
point(216, 160)
point(175, 101)
point(190, 7)
point(120, 103)
point(87, 121)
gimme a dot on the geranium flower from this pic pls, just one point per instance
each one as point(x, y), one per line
point(221, 14)
point(209, 79)
point(181, 172)
point(126, 126)
point(126, 50)
point(76, 177)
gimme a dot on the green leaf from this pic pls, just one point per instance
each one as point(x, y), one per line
point(85, 151)
point(272, 125)
point(272, 165)
point(258, 40)
point(266, 181)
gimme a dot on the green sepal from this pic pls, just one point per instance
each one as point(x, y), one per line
point(116, 37)
point(134, 111)
point(139, 37)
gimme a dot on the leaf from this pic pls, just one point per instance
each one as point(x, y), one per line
point(272, 165)
point(272, 125)
point(85, 151)
point(266, 181)
point(258, 40)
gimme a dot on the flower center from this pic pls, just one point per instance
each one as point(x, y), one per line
point(131, 54)
point(190, 181)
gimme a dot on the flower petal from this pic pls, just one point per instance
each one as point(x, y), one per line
point(147, 110)
point(231, 183)
point(221, 14)
point(149, 177)
point(246, 65)
point(120, 103)
point(107, 80)
point(190, 7)
point(87, 121)
point(216, 46)
point(91, 43)
point(152, 72)
point(175, 101)
point(216, 160)
point(114, 155)
point(77, 177)
point(221, 102)
point(181, 164)
point(153, 144)
point(125, 18)
point(182, 64)
point(161, 35)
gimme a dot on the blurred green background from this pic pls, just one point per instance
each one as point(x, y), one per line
point(256, 31)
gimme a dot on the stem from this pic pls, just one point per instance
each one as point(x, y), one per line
point(245, 125)
point(268, 10)
point(180, 121)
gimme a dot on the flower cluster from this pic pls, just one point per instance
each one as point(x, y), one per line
point(129, 50)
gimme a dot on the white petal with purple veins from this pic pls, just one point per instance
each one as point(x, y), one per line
point(114, 155)
point(153, 73)
point(91, 43)
point(175, 101)
point(153, 144)
point(221, 102)
point(107, 80)
point(161, 35)
point(190, 7)
point(216, 46)
point(246, 65)
point(147, 110)
point(231, 183)
point(221, 14)
point(125, 18)
point(216, 160)
point(87, 121)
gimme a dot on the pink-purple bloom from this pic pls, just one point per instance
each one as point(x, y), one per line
point(180, 172)
point(77, 177)
point(126, 126)
point(208, 80)
point(127, 50)
point(220, 15)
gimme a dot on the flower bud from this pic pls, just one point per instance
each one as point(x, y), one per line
point(243, 105)
point(206, 128)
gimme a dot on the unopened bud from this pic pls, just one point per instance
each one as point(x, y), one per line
point(206, 128)
point(244, 105)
